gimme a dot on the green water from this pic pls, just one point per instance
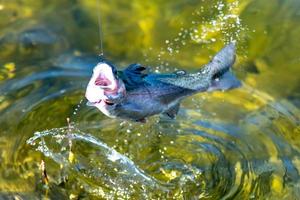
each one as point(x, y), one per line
point(240, 144)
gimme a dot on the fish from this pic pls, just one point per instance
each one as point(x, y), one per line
point(136, 94)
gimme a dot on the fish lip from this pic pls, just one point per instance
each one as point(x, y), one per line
point(104, 87)
point(93, 103)
point(106, 101)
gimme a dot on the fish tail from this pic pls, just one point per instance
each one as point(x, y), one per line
point(219, 69)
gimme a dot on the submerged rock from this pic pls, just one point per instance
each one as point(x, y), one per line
point(31, 43)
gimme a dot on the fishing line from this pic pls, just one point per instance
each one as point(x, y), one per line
point(100, 28)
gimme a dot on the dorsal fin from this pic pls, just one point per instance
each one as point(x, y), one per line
point(135, 68)
point(133, 75)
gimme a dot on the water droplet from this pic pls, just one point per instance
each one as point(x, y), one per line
point(180, 72)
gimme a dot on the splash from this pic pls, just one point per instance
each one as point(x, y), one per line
point(224, 25)
point(108, 167)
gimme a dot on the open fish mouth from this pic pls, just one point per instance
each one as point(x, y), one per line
point(103, 82)
point(104, 77)
point(104, 88)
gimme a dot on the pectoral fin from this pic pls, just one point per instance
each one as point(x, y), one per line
point(172, 111)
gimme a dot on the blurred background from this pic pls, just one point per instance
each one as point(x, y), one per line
point(240, 144)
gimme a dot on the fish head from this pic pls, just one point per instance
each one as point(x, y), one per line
point(105, 89)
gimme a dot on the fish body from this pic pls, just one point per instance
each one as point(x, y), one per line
point(135, 95)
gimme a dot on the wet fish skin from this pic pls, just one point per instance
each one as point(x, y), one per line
point(139, 95)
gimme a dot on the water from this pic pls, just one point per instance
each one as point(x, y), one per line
point(241, 144)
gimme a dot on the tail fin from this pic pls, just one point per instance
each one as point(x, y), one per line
point(225, 82)
point(219, 69)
